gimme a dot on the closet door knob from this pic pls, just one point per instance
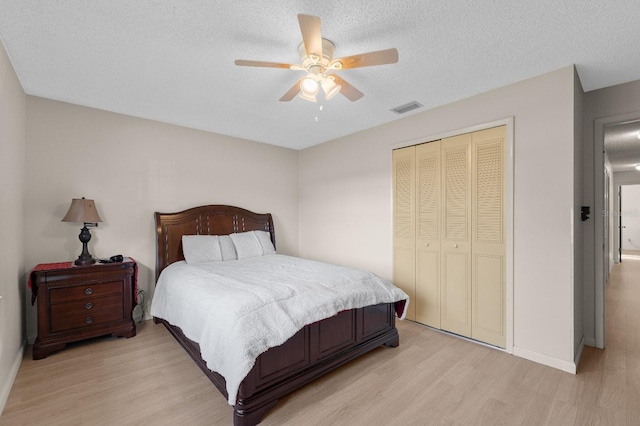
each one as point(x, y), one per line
point(426, 244)
point(455, 246)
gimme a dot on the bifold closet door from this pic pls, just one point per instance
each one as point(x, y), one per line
point(428, 211)
point(455, 246)
point(404, 224)
point(449, 233)
point(488, 242)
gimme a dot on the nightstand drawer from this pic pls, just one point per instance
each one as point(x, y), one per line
point(86, 307)
point(87, 319)
point(84, 291)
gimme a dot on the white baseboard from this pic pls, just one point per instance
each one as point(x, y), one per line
point(568, 366)
point(6, 388)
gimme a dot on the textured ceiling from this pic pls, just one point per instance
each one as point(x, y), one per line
point(172, 61)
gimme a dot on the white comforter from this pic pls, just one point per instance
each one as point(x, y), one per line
point(238, 309)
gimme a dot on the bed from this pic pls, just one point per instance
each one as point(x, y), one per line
point(314, 350)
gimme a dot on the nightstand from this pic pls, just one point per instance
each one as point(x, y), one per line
point(79, 302)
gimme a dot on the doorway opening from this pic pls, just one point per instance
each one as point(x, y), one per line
point(617, 145)
point(628, 246)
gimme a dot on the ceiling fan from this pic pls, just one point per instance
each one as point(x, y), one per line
point(316, 59)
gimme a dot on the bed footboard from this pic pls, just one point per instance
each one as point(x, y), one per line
point(315, 350)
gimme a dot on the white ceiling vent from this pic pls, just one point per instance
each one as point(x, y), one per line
point(407, 107)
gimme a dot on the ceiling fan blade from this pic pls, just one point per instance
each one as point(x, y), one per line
point(244, 63)
point(379, 57)
point(311, 35)
point(347, 89)
point(291, 93)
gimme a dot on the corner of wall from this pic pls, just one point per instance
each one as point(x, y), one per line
point(578, 225)
point(560, 364)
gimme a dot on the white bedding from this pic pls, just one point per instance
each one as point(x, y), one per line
point(236, 310)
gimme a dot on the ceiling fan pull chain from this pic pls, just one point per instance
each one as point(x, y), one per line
point(319, 104)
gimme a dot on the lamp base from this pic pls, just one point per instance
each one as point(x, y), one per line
point(80, 261)
point(85, 257)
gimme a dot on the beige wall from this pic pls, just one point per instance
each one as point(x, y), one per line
point(12, 189)
point(345, 201)
point(132, 167)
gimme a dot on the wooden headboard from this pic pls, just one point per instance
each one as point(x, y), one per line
point(203, 220)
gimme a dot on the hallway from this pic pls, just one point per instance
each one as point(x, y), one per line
point(623, 307)
point(614, 373)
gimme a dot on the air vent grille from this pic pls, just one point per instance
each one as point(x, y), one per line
point(407, 107)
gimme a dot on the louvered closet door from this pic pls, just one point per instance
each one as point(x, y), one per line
point(427, 300)
point(404, 239)
point(488, 224)
point(455, 246)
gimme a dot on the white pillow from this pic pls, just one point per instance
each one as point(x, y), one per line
point(265, 241)
point(201, 248)
point(227, 248)
point(246, 244)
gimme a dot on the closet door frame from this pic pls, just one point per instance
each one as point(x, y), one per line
point(509, 199)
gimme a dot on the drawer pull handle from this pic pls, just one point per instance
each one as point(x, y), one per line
point(89, 320)
point(88, 291)
point(89, 305)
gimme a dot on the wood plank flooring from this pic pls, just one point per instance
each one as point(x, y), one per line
point(430, 379)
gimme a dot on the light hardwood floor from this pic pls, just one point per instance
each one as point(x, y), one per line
point(431, 378)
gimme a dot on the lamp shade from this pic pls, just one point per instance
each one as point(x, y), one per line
point(330, 87)
point(82, 211)
point(306, 97)
point(309, 86)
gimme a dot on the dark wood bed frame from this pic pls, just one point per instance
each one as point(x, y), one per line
point(315, 350)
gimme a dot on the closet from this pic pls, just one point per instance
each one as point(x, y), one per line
point(449, 233)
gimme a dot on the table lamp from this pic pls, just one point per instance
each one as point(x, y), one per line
point(83, 211)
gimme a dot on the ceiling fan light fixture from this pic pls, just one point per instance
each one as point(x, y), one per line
point(308, 97)
point(329, 87)
point(317, 57)
point(309, 86)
